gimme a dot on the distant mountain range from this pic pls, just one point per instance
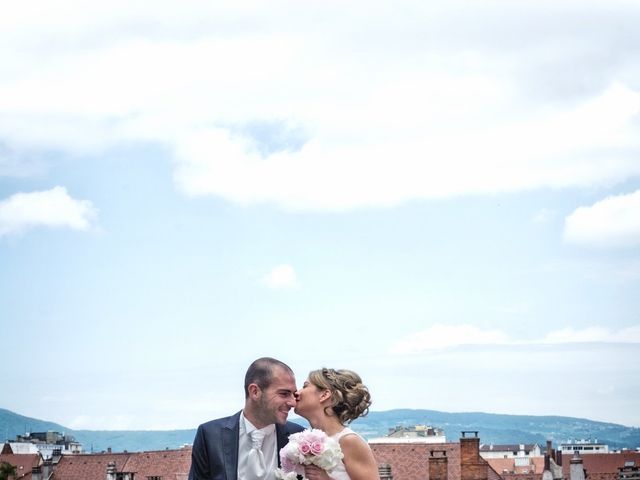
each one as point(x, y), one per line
point(492, 428)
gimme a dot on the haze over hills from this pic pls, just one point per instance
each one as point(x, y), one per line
point(492, 428)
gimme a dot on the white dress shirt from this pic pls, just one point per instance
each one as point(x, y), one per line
point(269, 447)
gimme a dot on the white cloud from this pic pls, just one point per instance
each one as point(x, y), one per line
point(281, 277)
point(50, 208)
point(594, 334)
point(447, 377)
point(389, 169)
point(612, 222)
point(390, 116)
point(441, 337)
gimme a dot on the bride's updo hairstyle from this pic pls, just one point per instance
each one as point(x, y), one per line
point(350, 398)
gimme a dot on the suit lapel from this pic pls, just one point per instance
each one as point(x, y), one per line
point(282, 439)
point(230, 435)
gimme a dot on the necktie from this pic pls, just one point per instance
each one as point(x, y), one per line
point(256, 457)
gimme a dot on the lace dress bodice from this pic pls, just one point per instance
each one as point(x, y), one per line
point(340, 472)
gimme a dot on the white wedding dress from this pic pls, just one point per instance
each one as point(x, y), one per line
point(340, 472)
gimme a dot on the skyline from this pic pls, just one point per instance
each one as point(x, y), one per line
point(443, 197)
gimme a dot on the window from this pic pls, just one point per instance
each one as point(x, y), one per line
point(155, 477)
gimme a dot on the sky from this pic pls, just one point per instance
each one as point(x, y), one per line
point(441, 196)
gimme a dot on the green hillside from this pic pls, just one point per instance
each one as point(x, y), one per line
point(492, 428)
point(12, 424)
point(501, 429)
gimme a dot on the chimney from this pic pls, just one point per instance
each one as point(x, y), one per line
point(108, 449)
point(438, 465)
point(472, 466)
point(111, 471)
point(36, 473)
point(384, 469)
point(576, 471)
point(469, 447)
point(547, 475)
point(47, 469)
point(559, 458)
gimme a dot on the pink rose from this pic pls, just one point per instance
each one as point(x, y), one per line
point(317, 448)
point(304, 448)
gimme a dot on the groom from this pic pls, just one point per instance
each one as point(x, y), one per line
point(245, 446)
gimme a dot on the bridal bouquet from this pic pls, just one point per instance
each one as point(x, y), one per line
point(309, 447)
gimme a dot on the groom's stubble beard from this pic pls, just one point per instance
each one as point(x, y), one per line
point(267, 412)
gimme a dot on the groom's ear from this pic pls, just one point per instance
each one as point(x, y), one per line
point(254, 391)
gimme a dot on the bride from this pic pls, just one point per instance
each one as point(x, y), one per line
point(329, 399)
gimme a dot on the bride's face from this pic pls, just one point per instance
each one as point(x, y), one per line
point(309, 397)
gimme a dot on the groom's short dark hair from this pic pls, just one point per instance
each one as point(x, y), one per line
point(260, 372)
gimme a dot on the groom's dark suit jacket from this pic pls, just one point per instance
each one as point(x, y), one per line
point(215, 448)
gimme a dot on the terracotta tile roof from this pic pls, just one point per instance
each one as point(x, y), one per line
point(23, 462)
point(88, 466)
point(500, 465)
point(492, 474)
point(601, 466)
point(411, 461)
point(168, 464)
point(521, 476)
